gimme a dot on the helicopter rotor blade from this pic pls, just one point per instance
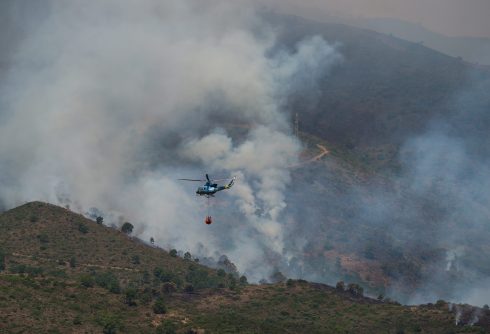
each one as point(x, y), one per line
point(192, 180)
point(207, 178)
point(224, 179)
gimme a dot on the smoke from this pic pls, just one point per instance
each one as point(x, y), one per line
point(108, 103)
point(104, 105)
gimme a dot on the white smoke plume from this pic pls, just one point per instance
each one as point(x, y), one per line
point(108, 103)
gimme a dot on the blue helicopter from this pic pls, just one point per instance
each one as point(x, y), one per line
point(210, 188)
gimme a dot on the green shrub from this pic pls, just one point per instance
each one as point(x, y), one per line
point(43, 238)
point(83, 228)
point(355, 289)
point(169, 288)
point(2, 260)
point(26, 269)
point(130, 296)
point(77, 320)
point(108, 281)
point(110, 323)
point(159, 306)
point(87, 281)
point(166, 327)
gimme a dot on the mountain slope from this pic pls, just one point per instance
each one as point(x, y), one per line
point(118, 284)
point(471, 49)
point(385, 91)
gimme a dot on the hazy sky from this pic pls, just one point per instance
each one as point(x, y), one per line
point(451, 17)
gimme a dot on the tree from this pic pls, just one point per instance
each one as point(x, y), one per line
point(187, 256)
point(99, 220)
point(278, 277)
point(159, 306)
point(355, 289)
point(231, 282)
point(127, 228)
point(173, 253)
point(340, 286)
point(243, 280)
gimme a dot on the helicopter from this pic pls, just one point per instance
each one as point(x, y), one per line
point(210, 188)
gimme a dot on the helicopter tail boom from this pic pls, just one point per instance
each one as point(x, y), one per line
point(229, 185)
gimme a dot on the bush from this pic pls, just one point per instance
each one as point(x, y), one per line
point(87, 281)
point(165, 276)
point(127, 228)
point(26, 269)
point(159, 306)
point(73, 262)
point(200, 278)
point(340, 286)
point(83, 228)
point(77, 320)
point(355, 289)
point(130, 296)
point(187, 256)
point(43, 238)
point(278, 277)
point(243, 280)
point(108, 281)
point(135, 259)
point(110, 323)
point(441, 303)
point(173, 253)
point(166, 327)
point(99, 220)
point(189, 288)
point(232, 282)
point(2, 260)
point(169, 288)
